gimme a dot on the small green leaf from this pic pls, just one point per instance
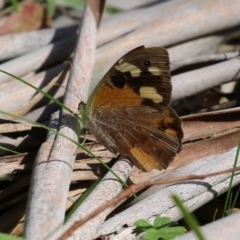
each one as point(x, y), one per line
point(112, 10)
point(161, 229)
point(4, 236)
point(171, 232)
point(164, 233)
point(160, 221)
point(141, 226)
point(152, 234)
point(143, 223)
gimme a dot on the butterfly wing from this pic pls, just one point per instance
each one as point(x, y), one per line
point(148, 137)
point(141, 77)
point(128, 111)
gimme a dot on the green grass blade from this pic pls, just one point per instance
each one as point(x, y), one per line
point(51, 7)
point(226, 204)
point(40, 91)
point(188, 217)
point(72, 3)
point(215, 214)
point(235, 199)
point(81, 200)
point(9, 150)
point(77, 143)
point(5, 178)
point(55, 132)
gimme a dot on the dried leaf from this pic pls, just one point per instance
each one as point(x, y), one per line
point(30, 16)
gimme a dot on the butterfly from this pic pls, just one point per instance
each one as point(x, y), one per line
point(128, 112)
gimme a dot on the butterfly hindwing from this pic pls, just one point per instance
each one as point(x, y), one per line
point(150, 142)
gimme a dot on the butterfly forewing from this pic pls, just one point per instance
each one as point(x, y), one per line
point(140, 77)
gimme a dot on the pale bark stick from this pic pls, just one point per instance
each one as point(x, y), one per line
point(192, 204)
point(218, 57)
point(172, 21)
point(160, 200)
point(190, 83)
point(30, 41)
point(196, 47)
point(179, 21)
point(107, 189)
point(2, 4)
point(15, 94)
point(225, 228)
point(42, 114)
point(43, 206)
point(57, 175)
point(32, 61)
point(61, 78)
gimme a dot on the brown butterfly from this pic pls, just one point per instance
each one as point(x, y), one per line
point(128, 111)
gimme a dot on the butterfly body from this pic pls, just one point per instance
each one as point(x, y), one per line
point(128, 110)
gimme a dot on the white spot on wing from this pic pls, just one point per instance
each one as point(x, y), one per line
point(151, 93)
point(155, 71)
point(127, 67)
point(120, 61)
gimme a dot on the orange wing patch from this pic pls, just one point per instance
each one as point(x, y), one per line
point(171, 131)
point(110, 96)
point(145, 161)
